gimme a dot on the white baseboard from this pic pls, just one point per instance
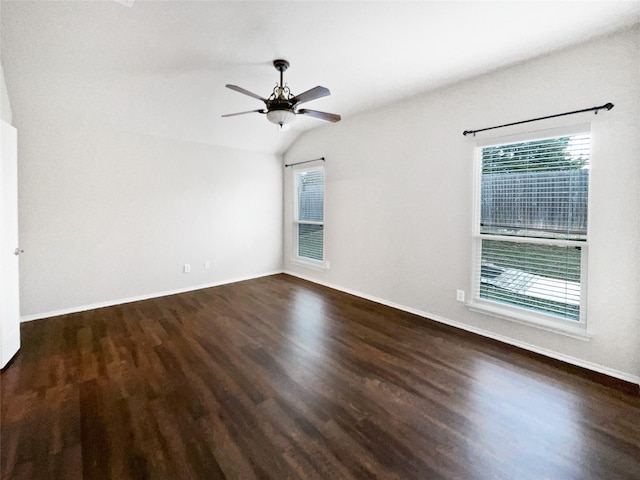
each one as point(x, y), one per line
point(110, 303)
point(479, 331)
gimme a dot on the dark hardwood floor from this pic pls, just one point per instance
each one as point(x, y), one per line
point(277, 378)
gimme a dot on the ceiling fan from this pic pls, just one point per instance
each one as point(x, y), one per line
point(282, 105)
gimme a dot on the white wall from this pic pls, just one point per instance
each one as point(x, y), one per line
point(5, 104)
point(108, 215)
point(399, 196)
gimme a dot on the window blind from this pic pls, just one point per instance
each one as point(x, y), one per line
point(545, 278)
point(311, 196)
point(311, 241)
point(531, 191)
point(536, 189)
point(310, 214)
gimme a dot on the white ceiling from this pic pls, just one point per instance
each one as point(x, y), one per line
point(160, 67)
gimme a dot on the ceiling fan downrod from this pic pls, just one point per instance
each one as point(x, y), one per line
point(282, 66)
point(281, 92)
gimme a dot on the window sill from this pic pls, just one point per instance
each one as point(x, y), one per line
point(541, 322)
point(316, 265)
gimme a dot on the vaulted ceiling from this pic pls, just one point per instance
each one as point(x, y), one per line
point(160, 67)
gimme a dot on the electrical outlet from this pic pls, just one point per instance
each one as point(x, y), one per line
point(460, 295)
point(327, 265)
point(207, 265)
point(186, 268)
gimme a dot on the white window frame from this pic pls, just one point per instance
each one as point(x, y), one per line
point(572, 328)
point(296, 258)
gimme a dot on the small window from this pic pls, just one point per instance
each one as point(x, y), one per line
point(531, 227)
point(309, 216)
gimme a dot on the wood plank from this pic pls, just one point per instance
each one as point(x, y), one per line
point(278, 378)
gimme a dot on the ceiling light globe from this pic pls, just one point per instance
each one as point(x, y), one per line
point(280, 117)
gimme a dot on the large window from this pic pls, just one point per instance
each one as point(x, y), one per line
point(309, 215)
point(531, 228)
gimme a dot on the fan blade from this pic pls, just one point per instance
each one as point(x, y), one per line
point(329, 117)
point(242, 113)
point(246, 92)
point(315, 92)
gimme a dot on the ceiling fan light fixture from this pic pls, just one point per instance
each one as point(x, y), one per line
point(281, 117)
point(282, 105)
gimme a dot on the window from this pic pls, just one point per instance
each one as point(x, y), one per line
point(531, 228)
point(309, 216)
